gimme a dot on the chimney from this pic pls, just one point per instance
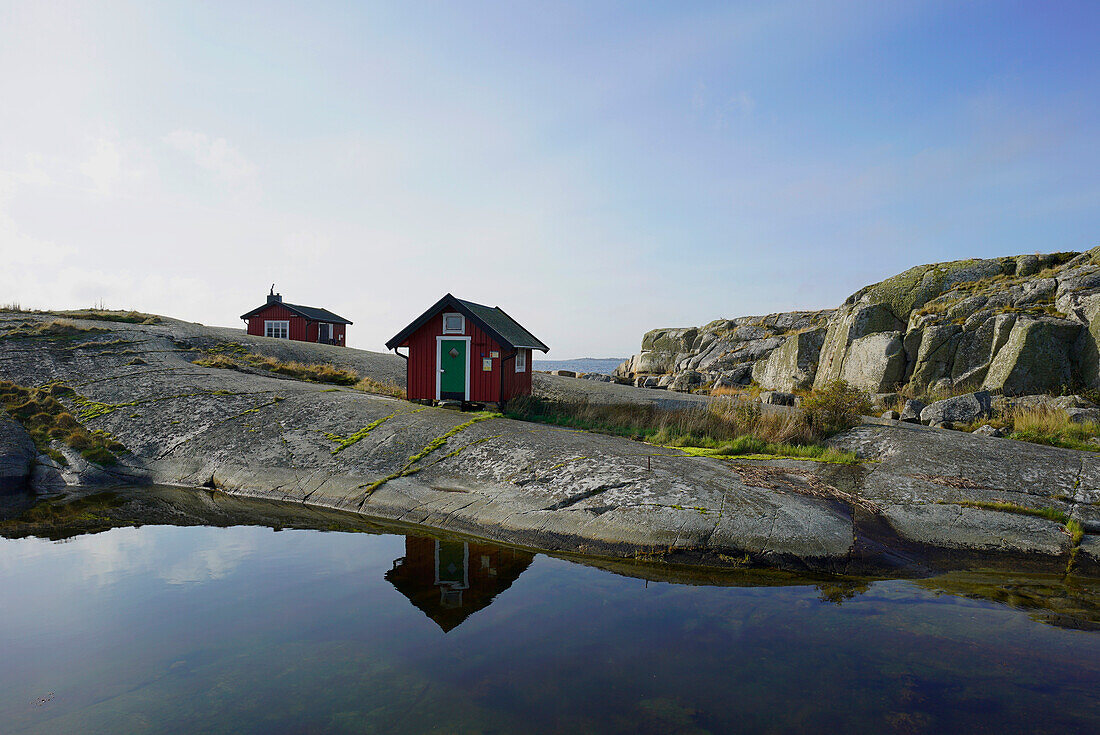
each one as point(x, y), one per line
point(274, 298)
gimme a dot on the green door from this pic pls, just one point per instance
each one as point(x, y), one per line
point(452, 369)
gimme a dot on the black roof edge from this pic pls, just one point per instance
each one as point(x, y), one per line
point(417, 323)
point(541, 347)
point(291, 307)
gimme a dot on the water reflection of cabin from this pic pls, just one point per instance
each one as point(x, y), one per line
point(451, 580)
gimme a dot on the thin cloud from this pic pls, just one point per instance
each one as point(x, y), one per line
point(212, 154)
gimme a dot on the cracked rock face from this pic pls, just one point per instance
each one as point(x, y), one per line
point(1017, 325)
point(552, 488)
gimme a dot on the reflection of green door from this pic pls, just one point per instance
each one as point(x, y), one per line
point(452, 365)
point(451, 560)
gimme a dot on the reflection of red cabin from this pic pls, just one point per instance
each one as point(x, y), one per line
point(451, 580)
point(291, 321)
point(462, 351)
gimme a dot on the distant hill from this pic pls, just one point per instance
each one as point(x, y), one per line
point(605, 365)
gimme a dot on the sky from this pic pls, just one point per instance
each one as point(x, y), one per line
point(597, 169)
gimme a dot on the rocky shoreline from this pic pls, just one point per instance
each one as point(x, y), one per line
point(1016, 325)
point(923, 499)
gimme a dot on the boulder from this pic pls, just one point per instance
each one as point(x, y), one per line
point(17, 454)
point(892, 415)
point(1027, 265)
point(793, 364)
point(598, 377)
point(910, 412)
point(1049, 402)
point(958, 410)
point(845, 327)
point(875, 363)
point(564, 373)
point(987, 430)
point(735, 377)
point(778, 398)
point(932, 351)
point(1084, 415)
point(982, 336)
point(1035, 357)
point(1087, 349)
point(966, 308)
point(686, 381)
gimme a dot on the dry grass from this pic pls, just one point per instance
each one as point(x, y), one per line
point(748, 392)
point(46, 419)
point(1052, 427)
point(722, 427)
point(369, 385)
point(57, 329)
point(112, 315)
point(236, 357)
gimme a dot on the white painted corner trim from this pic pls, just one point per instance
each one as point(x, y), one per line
point(439, 359)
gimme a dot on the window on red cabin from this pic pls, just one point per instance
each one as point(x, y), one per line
point(454, 324)
point(277, 329)
point(521, 361)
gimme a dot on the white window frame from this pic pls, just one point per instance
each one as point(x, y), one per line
point(521, 361)
point(277, 325)
point(439, 360)
point(331, 331)
point(461, 323)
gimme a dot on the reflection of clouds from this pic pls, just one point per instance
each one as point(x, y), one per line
point(176, 555)
point(214, 562)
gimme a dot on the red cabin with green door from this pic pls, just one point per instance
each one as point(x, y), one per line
point(462, 351)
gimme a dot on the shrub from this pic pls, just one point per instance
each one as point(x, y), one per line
point(836, 407)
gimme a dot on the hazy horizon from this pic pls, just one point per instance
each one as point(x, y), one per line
point(596, 169)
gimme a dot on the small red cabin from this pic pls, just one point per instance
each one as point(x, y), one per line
point(462, 351)
point(289, 321)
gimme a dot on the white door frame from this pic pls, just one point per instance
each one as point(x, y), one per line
point(439, 359)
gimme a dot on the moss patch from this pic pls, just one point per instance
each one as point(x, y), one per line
point(46, 419)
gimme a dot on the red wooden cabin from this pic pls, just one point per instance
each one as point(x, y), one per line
point(462, 351)
point(291, 321)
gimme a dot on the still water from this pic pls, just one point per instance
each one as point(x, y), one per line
point(165, 629)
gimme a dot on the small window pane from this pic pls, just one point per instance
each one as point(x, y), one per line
point(521, 361)
point(454, 324)
point(277, 329)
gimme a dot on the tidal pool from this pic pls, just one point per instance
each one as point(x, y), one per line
point(248, 629)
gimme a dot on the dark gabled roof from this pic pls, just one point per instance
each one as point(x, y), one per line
point(501, 327)
point(309, 312)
